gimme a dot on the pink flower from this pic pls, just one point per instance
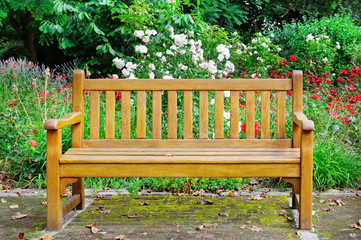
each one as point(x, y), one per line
point(33, 143)
point(257, 127)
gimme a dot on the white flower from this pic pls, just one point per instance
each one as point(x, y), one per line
point(129, 65)
point(220, 48)
point(272, 35)
point(158, 54)
point(125, 72)
point(151, 75)
point(141, 49)
point(255, 75)
point(254, 40)
point(227, 115)
point(182, 51)
point(180, 39)
point(148, 32)
point(255, 52)
point(151, 67)
point(324, 59)
point(139, 33)
point(163, 60)
point(132, 76)
point(317, 39)
point(191, 42)
point(171, 29)
point(167, 77)
point(279, 49)
point(184, 67)
point(191, 33)
point(338, 45)
point(169, 52)
point(203, 65)
point(173, 47)
point(192, 48)
point(195, 58)
point(212, 68)
point(260, 59)
point(119, 63)
point(239, 51)
point(229, 66)
point(333, 74)
point(115, 76)
point(154, 32)
point(250, 53)
point(309, 37)
point(145, 39)
point(212, 101)
point(220, 57)
point(227, 93)
point(264, 44)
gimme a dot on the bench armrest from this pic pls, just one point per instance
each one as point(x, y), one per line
point(69, 119)
point(301, 120)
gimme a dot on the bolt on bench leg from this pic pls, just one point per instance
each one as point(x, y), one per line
point(54, 201)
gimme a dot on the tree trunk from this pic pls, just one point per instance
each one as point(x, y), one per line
point(26, 33)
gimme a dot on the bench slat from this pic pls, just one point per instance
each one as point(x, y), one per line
point(203, 114)
point(187, 84)
point(188, 143)
point(125, 115)
point(157, 115)
point(188, 115)
point(250, 115)
point(94, 114)
point(141, 114)
point(234, 128)
point(109, 114)
point(218, 115)
point(180, 170)
point(281, 114)
point(265, 114)
point(172, 114)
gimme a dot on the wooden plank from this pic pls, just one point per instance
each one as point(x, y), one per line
point(78, 188)
point(187, 84)
point(203, 114)
point(72, 202)
point(77, 130)
point(125, 115)
point(94, 114)
point(250, 115)
point(109, 114)
point(281, 114)
point(188, 115)
point(265, 114)
point(180, 170)
point(54, 208)
point(188, 149)
point(189, 143)
point(65, 182)
point(218, 115)
point(234, 129)
point(297, 104)
point(141, 114)
point(306, 186)
point(67, 120)
point(172, 114)
point(157, 115)
point(110, 159)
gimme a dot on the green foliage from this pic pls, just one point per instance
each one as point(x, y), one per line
point(336, 38)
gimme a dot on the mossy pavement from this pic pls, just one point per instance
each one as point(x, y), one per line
point(163, 216)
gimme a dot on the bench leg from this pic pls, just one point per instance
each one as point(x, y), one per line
point(78, 188)
point(306, 187)
point(54, 201)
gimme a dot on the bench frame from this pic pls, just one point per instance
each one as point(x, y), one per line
point(60, 175)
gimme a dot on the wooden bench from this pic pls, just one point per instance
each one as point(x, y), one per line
point(186, 157)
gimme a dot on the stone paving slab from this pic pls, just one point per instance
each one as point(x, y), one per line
point(158, 216)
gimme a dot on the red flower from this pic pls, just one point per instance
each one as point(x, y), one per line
point(33, 143)
point(328, 82)
point(12, 103)
point(257, 127)
point(293, 58)
point(344, 71)
point(289, 92)
point(13, 77)
point(283, 63)
point(118, 96)
point(340, 79)
point(274, 72)
point(315, 96)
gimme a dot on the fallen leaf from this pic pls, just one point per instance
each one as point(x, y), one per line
point(284, 213)
point(255, 229)
point(326, 209)
point(198, 192)
point(93, 228)
point(22, 192)
point(333, 204)
point(144, 234)
point(224, 214)
point(44, 203)
point(21, 237)
point(264, 193)
point(207, 225)
point(253, 182)
point(242, 227)
point(356, 225)
point(47, 237)
point(322, 201)
point(99, 197)
point(3, 201)
point(336, 202)
point(354, 191)
point(208, 202)
point(135, 215)
point(248, 222)
point(105, 212)
point(200, 202)
point(300, 232)
point(120, 237)
point(18, 216)
point(255, 197)
point(14, 206)
point(177, 230)
point(218, 191)
point(199, 228)
point(144, 204)
point(232, 193)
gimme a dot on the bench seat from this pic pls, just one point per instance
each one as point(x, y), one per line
point(180, 155)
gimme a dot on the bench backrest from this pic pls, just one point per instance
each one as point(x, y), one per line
point(171, 87)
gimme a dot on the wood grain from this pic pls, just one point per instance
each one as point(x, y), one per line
point(250, 115)
point(157, 115)
point(188, 115)
point(172, 114)
point(234, 121)
point(94, 114)
point(125, 115)
point(265, 114)
point(141, 114)
point(77, 130)
point(203, 114)
point(281, 114)
point(109, 114)
point(218, 115)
